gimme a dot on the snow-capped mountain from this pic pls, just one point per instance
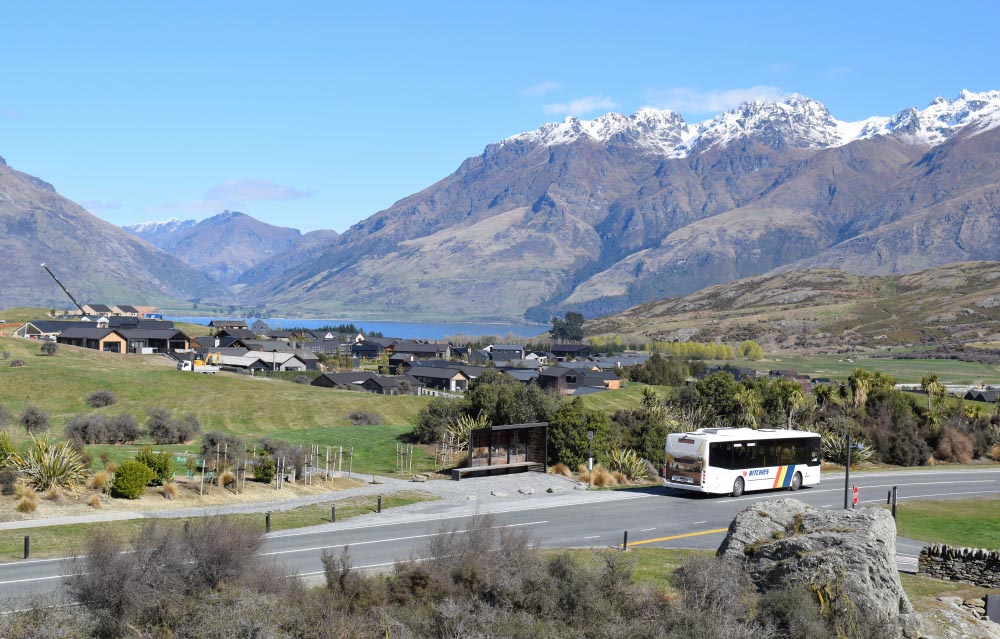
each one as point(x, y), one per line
point(797, 121)
point(172, 225)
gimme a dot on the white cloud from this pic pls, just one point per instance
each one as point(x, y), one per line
point(690, 100)
point(581, 106)
point(541, 88)
point(236, 195)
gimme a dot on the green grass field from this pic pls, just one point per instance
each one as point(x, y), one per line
point(903, 370)
point(974, 523)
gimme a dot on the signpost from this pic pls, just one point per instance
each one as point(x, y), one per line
point(854, 499)
point(590, 458)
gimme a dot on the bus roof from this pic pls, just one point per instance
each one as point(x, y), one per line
point(721, 434)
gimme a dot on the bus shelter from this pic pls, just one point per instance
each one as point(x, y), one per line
point(509, 448)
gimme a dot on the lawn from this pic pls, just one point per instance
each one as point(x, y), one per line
point(973, 523)
point(65, 541)
point(247, 406)
point(623, 399)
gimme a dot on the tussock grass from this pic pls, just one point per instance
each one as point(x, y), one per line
point(26, 505)
point(169, 490)
point(94, 501)
point(561, 469)
point(99, 480)
point(54, 493)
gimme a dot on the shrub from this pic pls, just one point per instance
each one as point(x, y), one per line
point(628, 463)
point(54, 493)
point(954, 446)
point(230, 446)
point(364, 418)
point(17, 363)
point(50, 348)
point(8, 478)
point(34, 420)
point(302, 379)
point(131, 480)
point(160, 463)
point(6, 448)
point(164, 428)
point(46, 464)
point(101, 398)
point(91, 429)
point(27, 498)
point(6, 417)
point(264, 469)
point(561, 469)
point(6, 355)
point(94, 501)
point(227, 478)
point(434, 418)
point(294, 456)
point(25, 505)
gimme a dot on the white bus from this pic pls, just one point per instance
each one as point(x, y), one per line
point(733, 460)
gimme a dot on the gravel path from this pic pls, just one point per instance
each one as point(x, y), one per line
point(475, 493)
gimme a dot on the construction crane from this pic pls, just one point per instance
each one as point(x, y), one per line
point(49, 271)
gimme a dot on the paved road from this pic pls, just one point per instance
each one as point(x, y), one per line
point(652, 516)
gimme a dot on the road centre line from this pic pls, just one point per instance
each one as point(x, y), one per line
point(682, 536)
point(382, 541)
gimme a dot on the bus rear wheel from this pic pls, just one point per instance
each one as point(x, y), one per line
point(796, 482)
point(738, 487)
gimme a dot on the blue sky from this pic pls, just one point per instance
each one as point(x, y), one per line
point(316, 115)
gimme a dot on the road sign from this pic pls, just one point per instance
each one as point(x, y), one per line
point(854, 499)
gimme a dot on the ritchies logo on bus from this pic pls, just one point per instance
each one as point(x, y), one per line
point(760, 472)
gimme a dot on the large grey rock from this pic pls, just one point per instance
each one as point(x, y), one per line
point(847, 558)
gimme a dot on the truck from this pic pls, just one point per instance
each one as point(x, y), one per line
point(209, 364)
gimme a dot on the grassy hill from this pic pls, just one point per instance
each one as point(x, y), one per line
point(246, 405)
point(826, 310)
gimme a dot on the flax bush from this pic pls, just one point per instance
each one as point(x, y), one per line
point(45, 464)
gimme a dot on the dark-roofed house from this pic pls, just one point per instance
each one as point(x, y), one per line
point(422, 349)
point(127, 311)
point(566, 381)
point(506, 352)
point(394, 385)
point(222, 324)
point(99, 309)
point(260, 327)
point(564, 352)
point(446, 379)
point(980, 395)
point(108, 340)
point(48, 329)
point(350, 380)
point(241, 333)
point(368, 349)
point(155, 340)
point(523, 375)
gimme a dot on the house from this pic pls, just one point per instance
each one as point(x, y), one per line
point(99, 309)
point(568, 352)
point(506, 352)
point(422, 349)
point(394, 385)
point(620, 361)
point(107, 340)
point(980, 395)
point(525, 376)
point(260, 327)
point(275, 361)
point(126, 311)
point(241, 333)
point(445, 379)
point(565, 381)
point(48, 329)
point(220, 325)
point(351, 380)
point(155, 340)
point(480, 357)
point(368, 349)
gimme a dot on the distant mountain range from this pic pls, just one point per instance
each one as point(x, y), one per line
point(597, 216)
point(97, 261)
point(227, 245)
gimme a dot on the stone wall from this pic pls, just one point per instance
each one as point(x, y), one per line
point(966, 565)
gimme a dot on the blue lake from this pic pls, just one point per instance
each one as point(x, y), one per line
point(405, 330)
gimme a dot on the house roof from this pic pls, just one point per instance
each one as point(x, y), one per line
point(345, 379)
point(150, 333)
point(587, 390)
point(392, 381)
point(58, 326)
point(508, 347)
point(89, 333)
point(225, 323)
point(418, 348)
point(242, 333)
point(273, 356)
point(521, 374)
point(436, 373)
point(100, 308)
point(127, 309)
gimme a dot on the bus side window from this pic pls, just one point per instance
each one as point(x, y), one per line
point(767, 454)
point(743, 455)
point(814, 451)
point(720, 455)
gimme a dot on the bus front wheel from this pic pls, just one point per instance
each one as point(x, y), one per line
point(738, 487)
point(796, 482)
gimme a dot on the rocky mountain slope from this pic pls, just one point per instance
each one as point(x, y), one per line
point(97, 261)
point(599, 215)
point(224, 246)
point(827, 310)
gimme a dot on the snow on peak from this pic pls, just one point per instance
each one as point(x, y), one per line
point(172, 224)
point(652, 129)
point(795, 121)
